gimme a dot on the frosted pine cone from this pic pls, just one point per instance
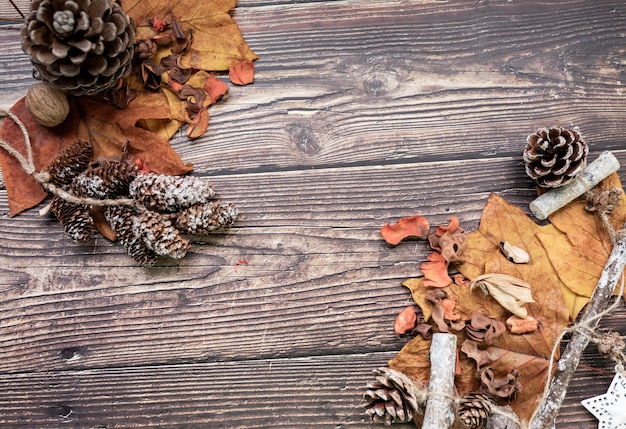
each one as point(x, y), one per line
point(160, 235)
point(105, 179)
point(121, 219)
point(79, 46)
point(553, 157)
point(76, 220)
point(203, 219)
point(69, 163)
point(170, 193)
point(474, 409)
point(392, 397)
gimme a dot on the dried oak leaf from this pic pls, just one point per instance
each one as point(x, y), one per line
point(415, 226)
point(108, 130)
point(529, 353)
point(217, 41)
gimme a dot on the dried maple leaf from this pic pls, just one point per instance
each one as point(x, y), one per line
point(217, 41)
point(414, 226)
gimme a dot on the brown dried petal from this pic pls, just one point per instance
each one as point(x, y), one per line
point(405, 321)
point(425, 330)
point(518, 325)
point(452, 246)
point(503, 387)
point(484, 329)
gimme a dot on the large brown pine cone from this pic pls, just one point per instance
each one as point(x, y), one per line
point(392, 397)
point(79, 46)
point(555, 156)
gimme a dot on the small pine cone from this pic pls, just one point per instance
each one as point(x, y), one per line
point(553, 157)
point(170, 193)
point(121, 219)
point(75, 218)
point(160, 235)
point(81, 47)
point(105, 179)
point(392, 397)
point(474, 409)
point(611, 345)
point(203, 219)
point(69, 163)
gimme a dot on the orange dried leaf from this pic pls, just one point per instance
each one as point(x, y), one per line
point(448, 305)
point(435, 271)
point(415, 226)
point(522, 326)
point(215, 88)
point(198, 125)
point(452, 227)
point(242, 73)
point(405, 321)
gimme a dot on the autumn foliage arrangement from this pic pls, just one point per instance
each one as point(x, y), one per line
point(117, 80)
point(507, 291)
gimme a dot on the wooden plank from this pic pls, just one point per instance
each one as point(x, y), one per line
point(419, 82)
point(316, 391)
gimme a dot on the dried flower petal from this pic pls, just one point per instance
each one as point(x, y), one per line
point(452, 246)
point(513, 253)
point(405, 321)
point(435, 271)
point(484, 329)
point(503, 387)
point(242, 73)
point(452, 227)
point(522, 326)
point(416, 226)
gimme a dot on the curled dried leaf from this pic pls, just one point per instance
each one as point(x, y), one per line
point(405, 321)
point(522, 326)
point(484, 329)
point(443, 309)
point(513, 253)
point(461, 280)
point(510, 292)
point(435, 271)
point(425, 330)
point(452, 227)
point(415, 226)
point(504, 387)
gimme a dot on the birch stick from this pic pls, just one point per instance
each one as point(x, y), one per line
point(546, 204)
point(547, 411)
point(439, 413)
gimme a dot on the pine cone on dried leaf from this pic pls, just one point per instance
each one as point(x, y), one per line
point(121, 219)
point(160, 235)
point(474, 409)
point(392, 397)
point(170, 193)
point(105, 179)
point(75, 218)
point(555, 156)
point(79, 46)
point(202, 219)
point(69, 163)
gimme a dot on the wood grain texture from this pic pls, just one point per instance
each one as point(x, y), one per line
point(362, 112)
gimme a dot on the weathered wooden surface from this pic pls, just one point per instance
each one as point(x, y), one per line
point(362, 111)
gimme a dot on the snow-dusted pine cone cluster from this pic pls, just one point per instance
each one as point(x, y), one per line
point(159, 209)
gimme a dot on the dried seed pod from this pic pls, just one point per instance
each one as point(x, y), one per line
point(514, 253)
point(75, 218)
point(202, 219)
point(121, 219)
point(170, 193)
point(69, 163)
point(159, 235)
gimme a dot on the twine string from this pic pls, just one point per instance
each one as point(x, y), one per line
point(43, 177)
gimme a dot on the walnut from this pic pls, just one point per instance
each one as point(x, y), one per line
point(48, 106)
